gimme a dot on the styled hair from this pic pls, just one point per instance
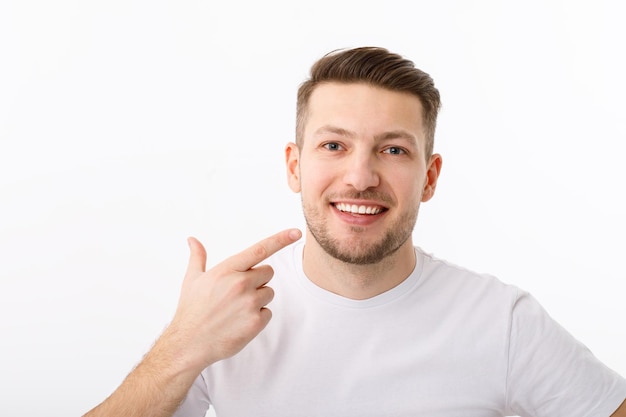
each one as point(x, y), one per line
point(376, 67)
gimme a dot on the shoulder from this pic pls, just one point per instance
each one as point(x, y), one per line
point(451, 277)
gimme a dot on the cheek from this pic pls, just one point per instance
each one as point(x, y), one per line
point(407, 188)
point(315, 178)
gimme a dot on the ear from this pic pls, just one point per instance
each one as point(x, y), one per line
point(292, 159)
point(432, 175)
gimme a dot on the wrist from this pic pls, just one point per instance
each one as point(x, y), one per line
point(176, 354)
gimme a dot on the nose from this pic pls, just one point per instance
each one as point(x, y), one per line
point(361, 171)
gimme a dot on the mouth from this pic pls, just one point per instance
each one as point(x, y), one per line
point(355, 209)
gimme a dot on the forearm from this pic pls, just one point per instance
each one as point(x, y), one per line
point(218, 313)
point(155, 388)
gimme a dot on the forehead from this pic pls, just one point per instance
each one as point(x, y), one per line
point(363, 108)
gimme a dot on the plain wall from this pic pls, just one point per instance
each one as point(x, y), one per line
point(126, 126)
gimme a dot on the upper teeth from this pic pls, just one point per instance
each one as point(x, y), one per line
point(353, 208)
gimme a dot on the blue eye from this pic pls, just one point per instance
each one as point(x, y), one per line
point(394, 150)
point(332, 146)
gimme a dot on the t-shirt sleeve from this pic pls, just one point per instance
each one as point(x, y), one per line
point(197, 403)
point(551, 374)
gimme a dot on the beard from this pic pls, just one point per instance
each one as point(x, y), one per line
point(356, 250)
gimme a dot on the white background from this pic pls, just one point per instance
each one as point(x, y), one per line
point(126, 126)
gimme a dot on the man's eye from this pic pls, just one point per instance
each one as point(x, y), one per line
point(394, 150)
point(332, 146)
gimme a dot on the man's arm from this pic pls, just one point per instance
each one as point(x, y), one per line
point(621, 411)
point(155, 387)
point(218, 313)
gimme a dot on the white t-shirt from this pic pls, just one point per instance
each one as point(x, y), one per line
point(446, 342)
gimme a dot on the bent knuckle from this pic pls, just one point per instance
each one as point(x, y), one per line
point(239, 285)
point(259, 320)
point(259, 251)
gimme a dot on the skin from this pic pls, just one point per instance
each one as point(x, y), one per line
point(218, 313)
point(362, 146)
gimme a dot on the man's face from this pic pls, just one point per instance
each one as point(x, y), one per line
point(362, 171)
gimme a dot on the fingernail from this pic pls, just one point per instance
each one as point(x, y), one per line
point(295, 234)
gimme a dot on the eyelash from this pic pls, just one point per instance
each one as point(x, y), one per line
point(335, 146)
point(400, 151)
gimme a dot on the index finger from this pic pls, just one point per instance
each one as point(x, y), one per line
point(262, 250)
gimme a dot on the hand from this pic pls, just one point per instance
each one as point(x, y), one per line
point(223, 309)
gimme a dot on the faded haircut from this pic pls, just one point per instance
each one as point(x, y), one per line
point(376, 67)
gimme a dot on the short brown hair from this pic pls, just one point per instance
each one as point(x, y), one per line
point(377, 67)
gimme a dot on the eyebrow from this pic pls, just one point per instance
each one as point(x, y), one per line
point(393, 134)
point(396, 134)
point(334, 130)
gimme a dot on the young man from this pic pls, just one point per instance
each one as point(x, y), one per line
point(364, 323)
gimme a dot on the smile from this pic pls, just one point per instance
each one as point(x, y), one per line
point(358, 209)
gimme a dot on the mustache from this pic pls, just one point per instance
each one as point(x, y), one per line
point(362, 195)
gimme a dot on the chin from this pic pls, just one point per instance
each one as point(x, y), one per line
point(358, 253)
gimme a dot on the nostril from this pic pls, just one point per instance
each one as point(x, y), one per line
point(362, 179)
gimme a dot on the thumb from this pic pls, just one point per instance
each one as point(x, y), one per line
point(197, 256)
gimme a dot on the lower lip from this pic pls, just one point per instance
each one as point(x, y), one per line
point(358, 219)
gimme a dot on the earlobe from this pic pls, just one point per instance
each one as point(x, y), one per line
point(432, 175)
point(292, 159)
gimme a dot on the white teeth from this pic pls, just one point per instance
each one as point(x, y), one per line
point(353, 208)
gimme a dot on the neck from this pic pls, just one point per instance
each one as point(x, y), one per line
point(357, 282)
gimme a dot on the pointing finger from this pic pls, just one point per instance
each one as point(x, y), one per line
point(260, 251)
point(197, 256)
